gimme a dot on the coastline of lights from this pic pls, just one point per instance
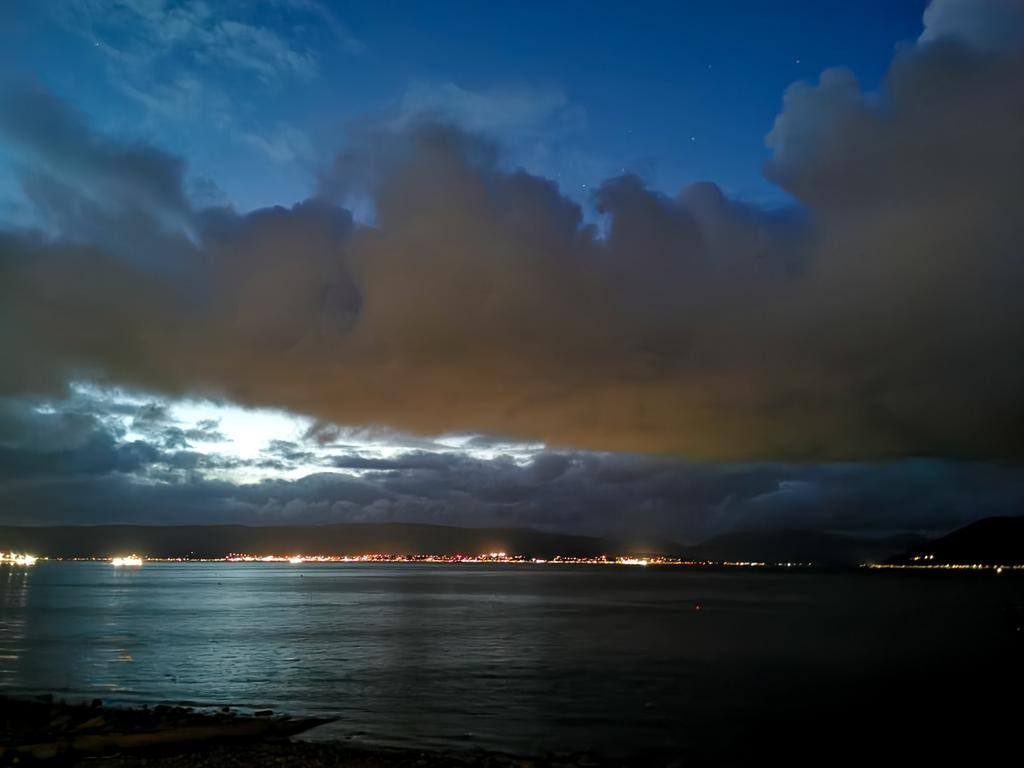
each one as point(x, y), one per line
point(489, 557)
point(492, 558)
point(17, 558)
point(500, 558)
point(495, 558)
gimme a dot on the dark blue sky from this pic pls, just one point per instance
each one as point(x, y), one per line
point(579, 91)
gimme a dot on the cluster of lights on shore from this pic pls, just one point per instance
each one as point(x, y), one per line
point(17, 558)
point(129, 560)
point(947, 567)
point(928, 562)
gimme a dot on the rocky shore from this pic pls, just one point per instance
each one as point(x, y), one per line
point(44, 731)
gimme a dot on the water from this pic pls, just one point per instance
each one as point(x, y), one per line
point(528, 659)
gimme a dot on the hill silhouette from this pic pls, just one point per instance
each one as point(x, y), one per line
point(990, 541)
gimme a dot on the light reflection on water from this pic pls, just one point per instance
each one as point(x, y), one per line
point(520, 658)
point(13, 602)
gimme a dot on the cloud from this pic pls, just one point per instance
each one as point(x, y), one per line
point(285, 144)
point(60, 444)
point(511, 114)
point(878, 319)
point(186, 97)
point(257, 49)
point(186, 64)
point(140, 32)
point(343, 38)
point(989, 25)
point(68, 171)
point(537, 129)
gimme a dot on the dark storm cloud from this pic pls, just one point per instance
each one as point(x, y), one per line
point(879, 319)
point(95, 451)
point(54, 442)
point(416, 460)
point(206, 430)
point(23, 425)
point(283, 454)
point(154, 421)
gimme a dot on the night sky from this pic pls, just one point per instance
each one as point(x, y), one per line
point(678, 268)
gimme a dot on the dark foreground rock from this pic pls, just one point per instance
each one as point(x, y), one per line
point(42, 731)
point(45, 730)
point(328, 755)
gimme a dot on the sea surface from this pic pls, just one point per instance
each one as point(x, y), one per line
point(615, 661)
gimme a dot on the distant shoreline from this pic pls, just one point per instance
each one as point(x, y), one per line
point(988, 544)
point(456, 561)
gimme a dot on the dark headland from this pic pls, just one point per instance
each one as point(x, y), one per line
point(991, 541)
